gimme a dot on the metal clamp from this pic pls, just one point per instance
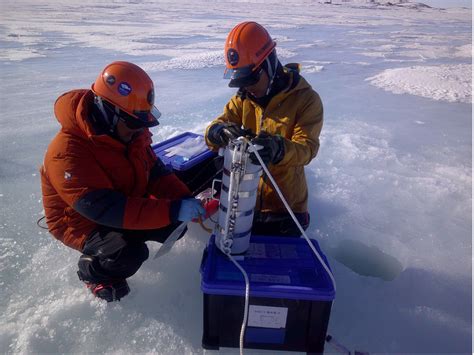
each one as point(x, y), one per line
point(213, 189)
point(250, 176)
point(243, 194)
point(237, 213)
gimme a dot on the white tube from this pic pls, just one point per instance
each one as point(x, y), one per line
point(246, 305)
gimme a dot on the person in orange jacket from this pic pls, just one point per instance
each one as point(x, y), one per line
point(105, 193)
point(277, 106)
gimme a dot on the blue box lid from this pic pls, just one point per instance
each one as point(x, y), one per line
point(177, 161)
point(277, 267)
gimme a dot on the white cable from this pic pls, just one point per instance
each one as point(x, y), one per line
point(246, 305)
point(227, 250)
point(254, 149)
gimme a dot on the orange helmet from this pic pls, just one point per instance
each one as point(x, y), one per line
point(246, 47)
point(127, 87)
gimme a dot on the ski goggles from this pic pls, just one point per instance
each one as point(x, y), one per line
point(243, 77)
point(142, 119)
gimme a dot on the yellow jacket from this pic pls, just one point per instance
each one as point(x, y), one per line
point(296, 114)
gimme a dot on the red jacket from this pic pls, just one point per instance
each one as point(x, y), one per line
point(91, 179)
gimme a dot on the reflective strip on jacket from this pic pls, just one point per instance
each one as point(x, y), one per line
point(90, 180)
point(297, 116)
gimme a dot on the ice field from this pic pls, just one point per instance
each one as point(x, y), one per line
point(390, 190)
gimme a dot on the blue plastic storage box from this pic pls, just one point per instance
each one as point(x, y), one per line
point(179, 162)
point(290, 296)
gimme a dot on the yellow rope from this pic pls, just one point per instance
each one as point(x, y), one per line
point(208, 230)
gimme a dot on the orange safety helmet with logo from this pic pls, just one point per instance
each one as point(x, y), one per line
point(246, 48)
point(130, 90)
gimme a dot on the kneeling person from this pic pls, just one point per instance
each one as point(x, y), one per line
point(105, 193)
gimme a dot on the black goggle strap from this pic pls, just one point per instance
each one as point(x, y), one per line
point(271, 73)
point(115, 118)
point(100, 105)
point(102, 109)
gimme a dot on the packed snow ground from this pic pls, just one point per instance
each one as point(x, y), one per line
point(392, 181)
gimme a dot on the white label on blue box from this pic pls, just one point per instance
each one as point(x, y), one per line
point(256, 251)
point(267, 317)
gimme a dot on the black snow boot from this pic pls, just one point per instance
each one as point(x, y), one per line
point(111, 291)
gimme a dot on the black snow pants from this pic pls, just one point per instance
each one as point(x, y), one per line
point(279, 225)
point(110, 255)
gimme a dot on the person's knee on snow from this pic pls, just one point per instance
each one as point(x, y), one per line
point(108, 260)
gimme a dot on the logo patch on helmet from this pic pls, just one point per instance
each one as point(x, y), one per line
point(110, 79)
point(232, 56)
point(124, 88)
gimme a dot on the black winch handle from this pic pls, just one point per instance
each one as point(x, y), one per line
point(341, 348)
point(337, 346)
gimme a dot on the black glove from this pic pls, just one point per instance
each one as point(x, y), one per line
point(273, 149)
point(221, 133)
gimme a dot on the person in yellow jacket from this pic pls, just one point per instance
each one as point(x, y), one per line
point(276, 104)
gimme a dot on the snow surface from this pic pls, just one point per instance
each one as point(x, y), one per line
point(445, 82)
point(391, 183)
